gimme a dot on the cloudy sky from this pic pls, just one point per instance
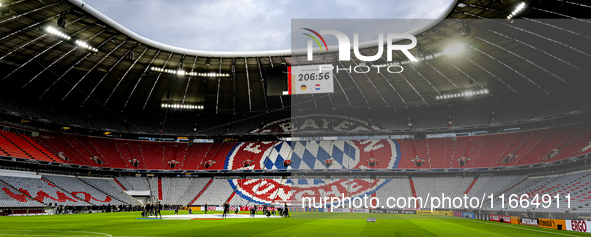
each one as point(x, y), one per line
point(248, 25)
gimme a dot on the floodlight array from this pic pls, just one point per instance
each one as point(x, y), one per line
point(55, 32)
point(193, 74)
point(463, 94)
point(181, 106)
point(86, 46)
point(518, 9)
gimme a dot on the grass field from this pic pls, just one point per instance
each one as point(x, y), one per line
point(302, 224)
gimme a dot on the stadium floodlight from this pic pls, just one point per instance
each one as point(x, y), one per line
point(517, 10)
point(181, 106)
point(454, 49)
point(463, 94)
point(193, 74)
point(55, 32)
point(86, 46)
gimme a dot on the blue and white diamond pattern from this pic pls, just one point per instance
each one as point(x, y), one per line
point(312, 155)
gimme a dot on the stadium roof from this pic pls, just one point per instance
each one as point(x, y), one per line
point(510, 59)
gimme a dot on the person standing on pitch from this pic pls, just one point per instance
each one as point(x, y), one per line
point(205, 208)
point(285, 210)
point(148, 209)
point(226, 209)
point(237, 209)
point(190, 211)
point(253, 211)
point(145, 210)
point(157, 208)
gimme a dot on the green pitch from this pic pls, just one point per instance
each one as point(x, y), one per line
point(301, 224)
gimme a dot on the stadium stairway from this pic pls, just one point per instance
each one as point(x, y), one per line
point(117, 181)
point(92, 150)
point(107, 194)
point(38, 147)
point(202, 190)
point(159, 188)
point(413, 190)
point(50, 150)
point(471, 185)
point(255, 191)
point(233, 192)
point(414, 148)
point(508, 190)
point(468, 148)
point(11, 148)
point(569, 149)
point(220, 156)
point(584, 149)
point(279, 189)
point(73, 153)
point(214, 149)
point(2, 152)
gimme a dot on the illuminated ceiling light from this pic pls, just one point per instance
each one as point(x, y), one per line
point(181, 106)
point(463, 94)
point(86, 46)
point(517, 10)
point(454, 49)
point(55, 32)
point(193, 74)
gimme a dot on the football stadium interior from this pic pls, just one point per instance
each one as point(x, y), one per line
point(97, 121)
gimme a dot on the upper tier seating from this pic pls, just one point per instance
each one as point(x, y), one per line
point(494, 150)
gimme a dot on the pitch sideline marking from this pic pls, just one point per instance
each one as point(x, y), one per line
point(71, 231)
point(508, 226)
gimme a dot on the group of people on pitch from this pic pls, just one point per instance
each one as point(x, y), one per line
point(282, 211)
point(152, 210)
point(253, 210)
